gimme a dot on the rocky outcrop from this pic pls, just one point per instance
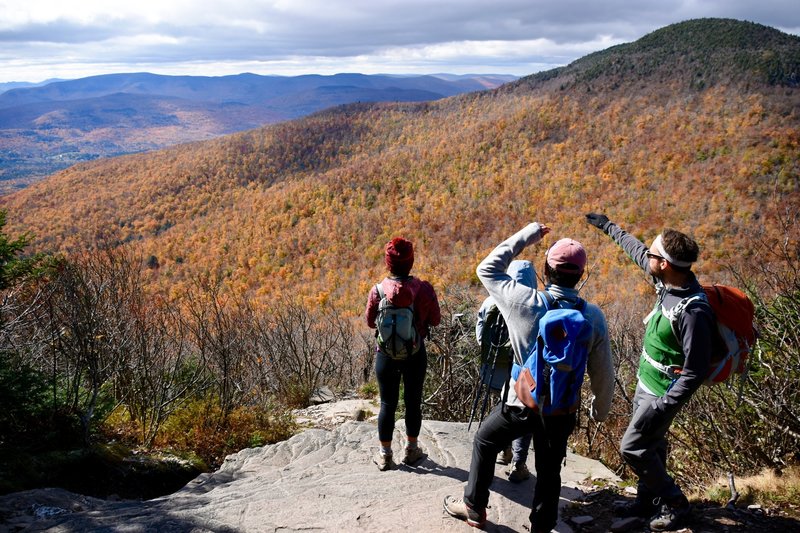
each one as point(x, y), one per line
point(319, 480)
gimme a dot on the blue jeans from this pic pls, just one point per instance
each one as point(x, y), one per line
point(550, 435)
point(389, 372)
point(520, 447)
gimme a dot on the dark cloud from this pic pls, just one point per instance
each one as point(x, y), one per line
point(415, 33)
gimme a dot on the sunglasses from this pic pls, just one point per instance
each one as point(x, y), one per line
point(654, 256)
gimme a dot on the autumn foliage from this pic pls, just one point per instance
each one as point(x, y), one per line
point(302, 209)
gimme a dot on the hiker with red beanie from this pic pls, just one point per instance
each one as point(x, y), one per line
point(401, 293)
point(523, 307)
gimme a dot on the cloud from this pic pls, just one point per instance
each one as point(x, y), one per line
point(59, 37)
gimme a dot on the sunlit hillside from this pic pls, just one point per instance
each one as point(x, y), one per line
point(645, 132)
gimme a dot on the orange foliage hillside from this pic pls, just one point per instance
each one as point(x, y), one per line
point(305, 207)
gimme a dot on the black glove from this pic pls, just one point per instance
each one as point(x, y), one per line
point(597, 220)
point(654, 416)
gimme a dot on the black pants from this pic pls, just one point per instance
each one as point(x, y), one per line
point(550, 436)
point(389, 372)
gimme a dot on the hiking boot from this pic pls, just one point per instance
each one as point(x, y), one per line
point(505, 457)
point(519, 472)
point(673, 514)
point(413, 455)
point(384, 461)
point(639, 508)
point(458, 508)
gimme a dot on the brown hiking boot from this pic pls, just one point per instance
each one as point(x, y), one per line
point(413, 455)
point(458, 508)
point(519, 472)
point(505, 457)
point(384, 461)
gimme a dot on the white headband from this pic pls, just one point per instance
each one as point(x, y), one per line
point(660, 247)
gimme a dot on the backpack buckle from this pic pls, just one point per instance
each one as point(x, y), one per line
point(674, 371)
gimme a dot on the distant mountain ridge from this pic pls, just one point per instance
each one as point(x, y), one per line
point(49, 127)
point(243, 88)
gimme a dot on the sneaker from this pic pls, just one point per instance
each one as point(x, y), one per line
point(519, 472)
point(640, 508)
point(384, 461)
point(458, 508)
point(413, 455)
point(673, 514)
point(505, 457)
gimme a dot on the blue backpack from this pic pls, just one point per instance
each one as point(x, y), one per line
point(550, 379)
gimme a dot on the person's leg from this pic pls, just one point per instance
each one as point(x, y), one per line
point(519, 459)
point(520, 448)
point(549, 448)
point(499, 428)
point(388, 377)
point(644, 448)
point(414, 370)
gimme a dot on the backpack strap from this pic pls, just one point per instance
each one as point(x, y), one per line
point(674, 314)
point(550, 301)
point(381, 294)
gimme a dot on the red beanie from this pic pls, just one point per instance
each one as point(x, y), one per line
point(399, 256)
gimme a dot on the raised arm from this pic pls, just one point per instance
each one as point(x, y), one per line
point(635, 248)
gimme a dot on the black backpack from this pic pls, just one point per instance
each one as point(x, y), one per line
point(496, 352)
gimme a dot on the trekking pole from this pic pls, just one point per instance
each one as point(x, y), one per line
point(475, 402)
point(492, 348)
point(497, 343)
point(488, 385)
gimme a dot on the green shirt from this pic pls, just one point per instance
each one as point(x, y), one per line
point(660, 344)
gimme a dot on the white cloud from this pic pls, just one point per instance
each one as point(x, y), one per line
point(46, 38)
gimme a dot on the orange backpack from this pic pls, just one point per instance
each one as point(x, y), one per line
point(735, 315)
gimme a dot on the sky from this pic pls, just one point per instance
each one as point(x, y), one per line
point(67, 39)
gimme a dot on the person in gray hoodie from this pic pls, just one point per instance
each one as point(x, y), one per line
point(516, 454)
point(523, 307)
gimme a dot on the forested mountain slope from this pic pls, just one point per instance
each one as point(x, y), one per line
point(671, 130)
point(47, 128)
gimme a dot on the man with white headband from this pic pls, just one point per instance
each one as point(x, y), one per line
point(672, 367)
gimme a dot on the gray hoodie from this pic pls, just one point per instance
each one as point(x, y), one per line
point(522, 307)
point(523, 272)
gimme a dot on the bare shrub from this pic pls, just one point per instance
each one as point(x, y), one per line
point(219, 330)
point(86, 328)
point(162, 369)
point(297, 350)
point(453, 357)
point(745, 427)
